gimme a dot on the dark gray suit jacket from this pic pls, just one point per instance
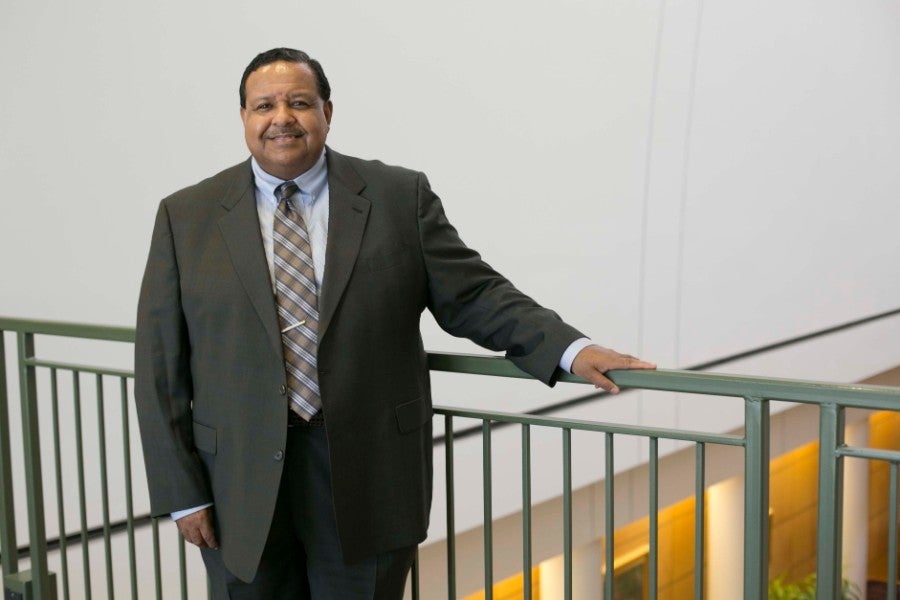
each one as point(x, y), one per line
point(209, 368)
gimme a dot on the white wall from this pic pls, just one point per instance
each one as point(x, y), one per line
point(681, 179)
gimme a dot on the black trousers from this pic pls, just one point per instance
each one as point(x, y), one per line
point(302, 557)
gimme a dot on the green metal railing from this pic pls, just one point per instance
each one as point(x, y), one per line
point(39, 582)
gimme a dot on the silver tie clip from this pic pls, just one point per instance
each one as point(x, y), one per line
point(294, 326)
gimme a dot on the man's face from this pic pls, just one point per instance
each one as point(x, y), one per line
point(285, 120)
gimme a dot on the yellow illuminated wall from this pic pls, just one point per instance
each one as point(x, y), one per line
point(792, 513)
point(513, 588)
point(676, 548)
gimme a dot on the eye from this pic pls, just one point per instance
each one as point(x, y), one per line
point(262, 107)
point(299, 104)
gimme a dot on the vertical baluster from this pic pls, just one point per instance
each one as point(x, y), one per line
point(82, 500)
point(129, 493)
point(699, 515)
point(526, 511)
point(182, 566)
point(654, 518)
point(8, 544)
point(451, 518)
point(488, 512)
point(43, 581)
point(104, 486)
point(892, 536)
point(609, 496)
point(157, 569)
point(567, 513)
point(415, 577)
point(60, 495)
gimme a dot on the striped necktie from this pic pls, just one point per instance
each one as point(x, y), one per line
point(298, 313)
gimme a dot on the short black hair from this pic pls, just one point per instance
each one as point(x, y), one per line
point(288, 55)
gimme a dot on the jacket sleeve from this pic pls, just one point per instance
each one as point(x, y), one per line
point(470, 299)
point(163, 385)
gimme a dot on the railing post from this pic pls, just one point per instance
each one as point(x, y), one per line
point(609, 494)
point(831, 502)
point(756, 498)
point(9, 556)
point(699, 527)
point(39, 583)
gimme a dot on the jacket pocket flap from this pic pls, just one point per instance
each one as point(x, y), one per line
point(204, 438)
point(386, 258)
point(413, 414)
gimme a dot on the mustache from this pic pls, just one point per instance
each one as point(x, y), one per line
point(288, 131)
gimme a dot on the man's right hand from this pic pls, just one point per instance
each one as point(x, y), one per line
point(197, 528)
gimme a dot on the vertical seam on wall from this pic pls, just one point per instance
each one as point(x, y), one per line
point(648, 159)
point(648, 168)
point(688, 136)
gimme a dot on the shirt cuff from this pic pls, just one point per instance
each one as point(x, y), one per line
point(565, 363)
point(189, 511)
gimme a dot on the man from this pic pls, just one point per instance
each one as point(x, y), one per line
point(281, 382)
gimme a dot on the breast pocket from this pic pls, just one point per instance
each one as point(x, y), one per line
point(385, 258)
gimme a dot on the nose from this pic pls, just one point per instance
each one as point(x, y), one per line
point(283, 114)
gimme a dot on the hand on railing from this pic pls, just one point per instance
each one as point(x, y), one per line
point(594, 361)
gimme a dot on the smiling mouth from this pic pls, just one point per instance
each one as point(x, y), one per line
point(284, 136)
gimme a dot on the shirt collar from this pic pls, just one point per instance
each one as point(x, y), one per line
point(311, 183)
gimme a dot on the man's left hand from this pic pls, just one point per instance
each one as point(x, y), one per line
point(594, 361)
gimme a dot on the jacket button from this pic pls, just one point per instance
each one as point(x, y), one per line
point(278, 455)
point(282, 390)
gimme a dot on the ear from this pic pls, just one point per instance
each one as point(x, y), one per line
point(243, 114)
point(328, 109)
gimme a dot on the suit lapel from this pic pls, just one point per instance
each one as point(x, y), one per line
point(348, 213)
point(240, 228)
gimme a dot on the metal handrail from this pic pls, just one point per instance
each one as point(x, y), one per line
point(811, 392)
point(109, 333)
point(715, 384)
